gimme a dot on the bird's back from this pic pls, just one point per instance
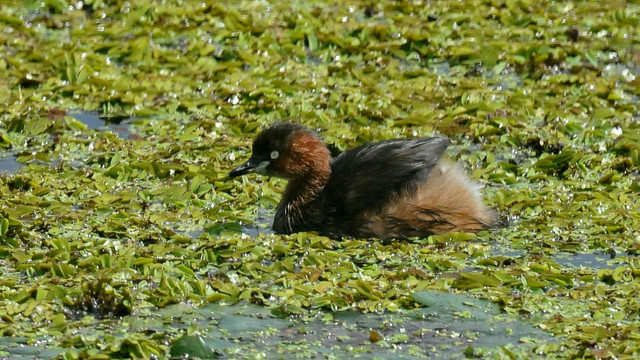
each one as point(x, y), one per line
point(365, 179)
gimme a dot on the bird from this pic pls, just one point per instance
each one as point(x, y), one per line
point(393, 189)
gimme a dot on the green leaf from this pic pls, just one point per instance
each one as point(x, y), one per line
point(192, 346)
point(4, 227)
point(74, 124)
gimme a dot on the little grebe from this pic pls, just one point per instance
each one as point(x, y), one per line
point(388, 189)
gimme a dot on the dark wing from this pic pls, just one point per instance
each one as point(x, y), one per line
point(369, 176)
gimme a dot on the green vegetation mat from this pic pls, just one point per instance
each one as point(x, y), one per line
point(121, 238)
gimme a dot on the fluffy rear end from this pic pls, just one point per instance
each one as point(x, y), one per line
point(447, 202)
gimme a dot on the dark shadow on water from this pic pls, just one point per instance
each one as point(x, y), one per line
point(93, 121)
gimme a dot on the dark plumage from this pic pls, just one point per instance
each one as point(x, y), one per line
point(388, 189)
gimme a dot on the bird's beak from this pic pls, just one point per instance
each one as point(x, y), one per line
point(251, 166)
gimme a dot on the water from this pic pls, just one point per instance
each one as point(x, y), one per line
point(571, 260)
point(262, 224)
point(443, 329)
point(594, 261)
point(22, 348)
point(93, 121)
point(8, 163)
point(446, 326)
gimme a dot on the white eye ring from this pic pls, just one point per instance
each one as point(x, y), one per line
point(274, 154)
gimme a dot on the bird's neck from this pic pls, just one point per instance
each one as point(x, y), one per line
point(305, 190)
point(308, 171)
point(296, 207)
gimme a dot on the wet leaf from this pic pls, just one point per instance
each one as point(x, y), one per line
point(192, 346)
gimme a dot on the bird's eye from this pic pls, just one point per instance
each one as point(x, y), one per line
point(274, 154)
